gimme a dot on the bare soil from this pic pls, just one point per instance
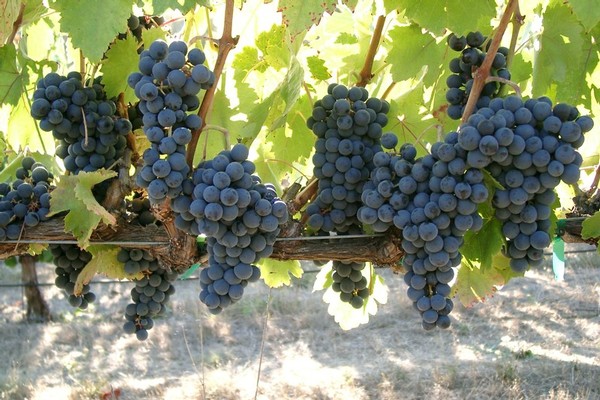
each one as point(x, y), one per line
point(537, 338)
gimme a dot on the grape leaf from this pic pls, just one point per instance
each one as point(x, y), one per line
point(93, 25)
point(12, 80)
point(346, 38)
point(276, 273)
point(410, 44)
point(104, 261)
point(560, 59)
point(121, 60)
point(301, 15)
point(36, 248)
point(474, 284)
point(435, 15)
point(10, 13)
point(317, 68)
point(482, 246)
point(152, 34)
point(73, 193)
point(272, 44)
point(590, 227)
point(22, 130)
point(587, 11)
point(158, 7)
point(323, 280)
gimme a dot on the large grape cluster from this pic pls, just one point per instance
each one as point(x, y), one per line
point(167, 84)
point(70, 260)
point(26, 201)
point(472, 50)
point(433, 201)
point(528, 147)
point(348, 125)
point(241, 218)
point(150, 294)
point(83, 121)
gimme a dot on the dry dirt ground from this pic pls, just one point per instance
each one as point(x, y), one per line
point(536, 339)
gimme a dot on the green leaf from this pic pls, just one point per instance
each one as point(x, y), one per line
point(323, 279)
point(158, 7)
point(409, 43)
point(104, 261)
point(8, 172)
point(474, 284)
point(482, 246)
point(73, 194)
point(276, 273)
point(152, 34)
point(590, 227)
point(93, 25)
point(587, 11)
point(36, 248)
point(435, 15)
point(346, 38)
point(12, 80)
point(299, 16)
point(275, 50)
point(317, 68)
point(121, 60)
point(560, 60)
point(10, 13)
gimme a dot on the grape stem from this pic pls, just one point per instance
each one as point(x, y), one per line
point(226, 43)
point(510, 83)
point(366, 74)
point(217, 128)
point(483, 72)
point(518, 20)
point(596, 180)
point(308, 193)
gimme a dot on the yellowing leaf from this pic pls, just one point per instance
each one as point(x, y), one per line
point(276, 273)
point(36, 248)
point(73, 193)
point(104, 261)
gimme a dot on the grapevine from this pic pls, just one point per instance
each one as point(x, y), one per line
point(386, 189)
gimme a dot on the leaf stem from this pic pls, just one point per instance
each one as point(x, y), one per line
point(510, 83)
point(517, 21)
point(366, 74)
point(483, 72)
point(226, 44)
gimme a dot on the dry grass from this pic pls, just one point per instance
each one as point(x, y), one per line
point(536, 339)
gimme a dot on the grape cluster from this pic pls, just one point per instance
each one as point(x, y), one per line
point(26, 201)
point(70, 260)
point(528, 147)
point(433, 201)
point(136, 25)
point(139, 210)
point(472, 53)
point(350, 283)
point(241, 218)
point(167, 84)
point(81, 118)
point(150, 293)
point(349, 126)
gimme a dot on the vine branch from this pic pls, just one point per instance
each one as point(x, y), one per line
point(366, 74)
point(226, 43)
point(483, 72)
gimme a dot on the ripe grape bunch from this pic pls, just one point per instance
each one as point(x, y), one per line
point(26, 201)
point(241, 218)
point(433, 201)
point(348, 125)
point(83, 121)
point(528, 147)
point(70, 260)
point(472, 50)
point(150, 294)
point(167, 84)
